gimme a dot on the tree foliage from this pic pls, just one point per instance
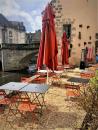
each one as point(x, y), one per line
point(89, 102)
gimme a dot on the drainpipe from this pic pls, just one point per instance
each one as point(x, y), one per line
point(2, 58)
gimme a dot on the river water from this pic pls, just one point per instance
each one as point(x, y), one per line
point(6, 77)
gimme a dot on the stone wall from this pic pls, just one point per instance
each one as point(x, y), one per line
point(58, 24)
point(0, 35)
point(78, 12)
point(15, 37)
point(16, 57)
point(13, 59)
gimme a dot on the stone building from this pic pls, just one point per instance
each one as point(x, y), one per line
point(79, 18)
point(11, 31)
point(31, 37)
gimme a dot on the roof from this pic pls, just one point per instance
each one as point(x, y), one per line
point(12, 24)
point(18, 25)
point(4, 21)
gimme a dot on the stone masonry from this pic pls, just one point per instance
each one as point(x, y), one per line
point(16, 57)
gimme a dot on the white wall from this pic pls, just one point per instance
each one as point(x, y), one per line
point(17, 36)
point(21, 37)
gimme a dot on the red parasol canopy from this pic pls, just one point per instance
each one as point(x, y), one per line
point(48, 44)
point(64, 50)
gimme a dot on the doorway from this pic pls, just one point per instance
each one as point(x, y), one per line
point(67, 29)
point(0, 66)
point(96, 47)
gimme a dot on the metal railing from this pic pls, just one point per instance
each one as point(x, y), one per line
point(13, 46)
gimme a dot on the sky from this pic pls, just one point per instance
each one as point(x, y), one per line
point(26, 11)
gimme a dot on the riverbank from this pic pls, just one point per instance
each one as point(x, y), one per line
point(13, 76)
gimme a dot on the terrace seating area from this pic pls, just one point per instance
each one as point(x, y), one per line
point(55, 112)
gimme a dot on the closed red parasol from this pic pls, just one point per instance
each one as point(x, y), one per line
point(48, 44)
point(64, 50)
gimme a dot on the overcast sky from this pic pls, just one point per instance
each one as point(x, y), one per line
point(27, 11)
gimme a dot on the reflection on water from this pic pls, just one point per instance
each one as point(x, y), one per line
point(6, 77)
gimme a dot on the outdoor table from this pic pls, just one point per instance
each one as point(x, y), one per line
point(78, 80)
point(22, 97)
point(10, 99)
point(36, 88)
point(74, 91)
point(87, 74)
point(13, 86)
point(38, 91)
point(12, 90)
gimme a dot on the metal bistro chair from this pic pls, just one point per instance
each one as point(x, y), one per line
point(39, 80)
point(20, 104)
point(4, 101)
point(72, 91)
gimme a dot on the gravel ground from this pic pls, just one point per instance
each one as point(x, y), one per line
point(60, 114)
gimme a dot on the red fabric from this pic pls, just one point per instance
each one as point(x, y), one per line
point(90, 54)
point(5, 101)
point(48, 44)
point(27, 107)
point(39, 80)
point(64, 50)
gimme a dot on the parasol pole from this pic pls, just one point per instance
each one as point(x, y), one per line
point(47, 76)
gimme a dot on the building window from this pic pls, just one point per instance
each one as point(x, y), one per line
point(67, 29)
point(10, 33)
point(3, 36)
point(10, 40)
